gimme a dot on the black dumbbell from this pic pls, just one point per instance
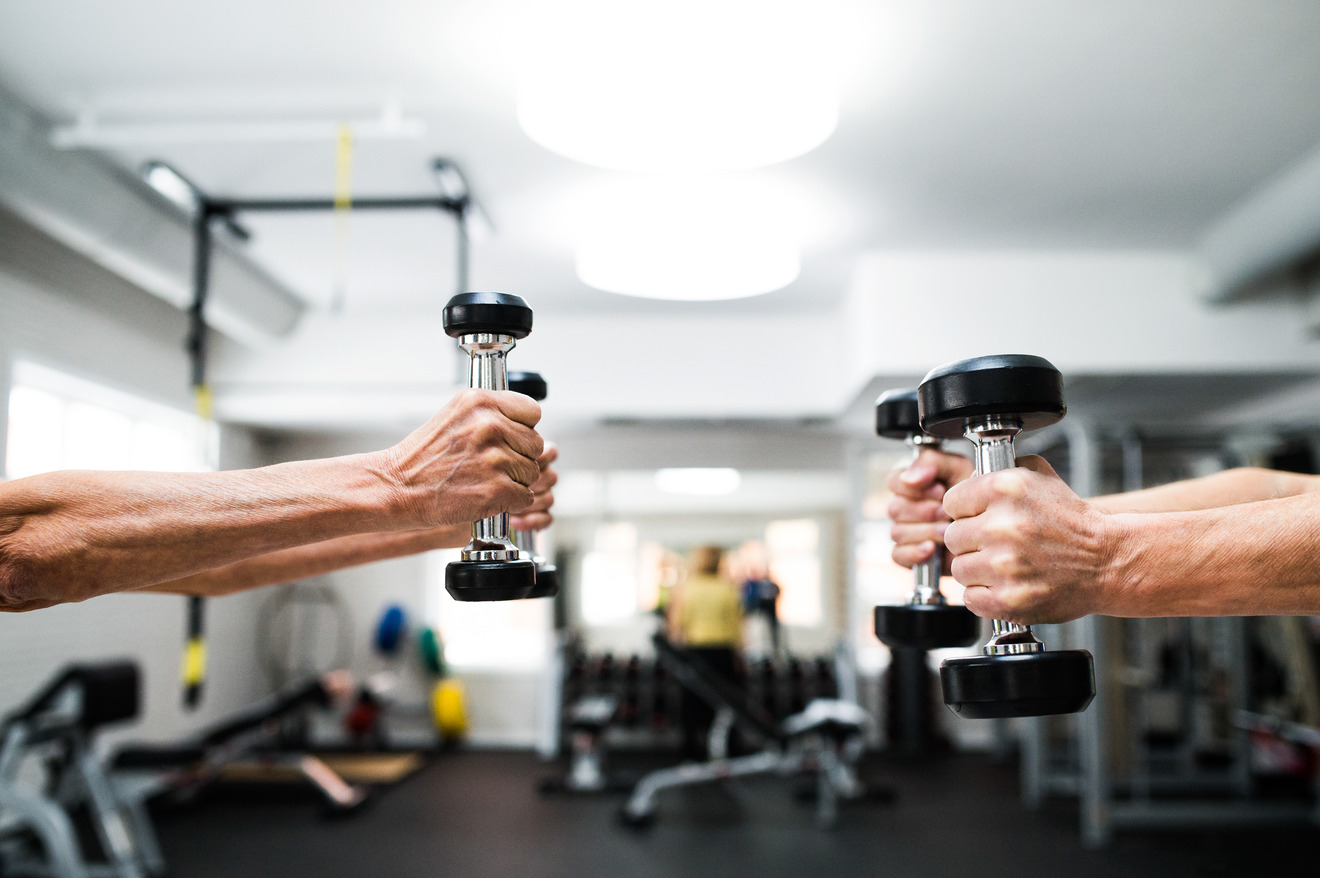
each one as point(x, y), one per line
point(990, 400)
point(927, 620)
point(547, 575)
point(487, 326)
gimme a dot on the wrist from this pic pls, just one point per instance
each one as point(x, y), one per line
point(1123, 576)
point(396, 500)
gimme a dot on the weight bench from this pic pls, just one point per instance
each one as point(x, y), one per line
point(824, 740)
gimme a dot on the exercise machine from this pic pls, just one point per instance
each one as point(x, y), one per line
point(825, 741)
point(990, 400)
point(39, 821)
point(488, 326)
point(547, 576)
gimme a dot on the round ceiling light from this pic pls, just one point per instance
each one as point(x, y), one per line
point(688, 85)
point(692, 239)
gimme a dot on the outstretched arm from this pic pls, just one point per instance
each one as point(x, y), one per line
point(301, 562)
point(69, 536)
point(1227, 488)
point(1030, 550)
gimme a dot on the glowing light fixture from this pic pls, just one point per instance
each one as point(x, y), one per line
point(687, 239)
point(172, 185)
point(698, 481)
point(684, 85)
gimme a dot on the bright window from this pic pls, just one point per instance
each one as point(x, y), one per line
point(58, 421)
point(487, 635)
point(793, 548)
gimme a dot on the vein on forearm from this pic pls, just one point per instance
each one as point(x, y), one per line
point(301, 562)
point(1259, 558)
point(69, 536)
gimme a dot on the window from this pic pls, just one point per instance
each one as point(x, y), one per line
point(57, 421)
point(793, 549)
point(487, 635)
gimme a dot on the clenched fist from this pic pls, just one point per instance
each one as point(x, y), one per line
point(477, 457)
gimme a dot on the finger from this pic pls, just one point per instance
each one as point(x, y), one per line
point(962, 537)
point(547, 480)
point(912, 555)
point(916, 510)
point(974, 496)
point(1037, 464)
point(531, 521)
point(517, 407)
point(522, 470)
point(541, 503)
point(524, 441)
point(935, 467)
point(911, 534)
point(548, 455)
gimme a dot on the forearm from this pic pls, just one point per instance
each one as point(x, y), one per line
point(1249, 559)
point(69, 536)
point(1241, 485)
point(301, 562)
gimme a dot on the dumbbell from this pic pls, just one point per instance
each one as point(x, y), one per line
point(547, 576)
point(488, 326)
point(927, 620)
point(989, 400)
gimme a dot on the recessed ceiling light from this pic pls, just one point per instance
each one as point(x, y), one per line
point(698, 481)
point(686, 85)
point(693, 239)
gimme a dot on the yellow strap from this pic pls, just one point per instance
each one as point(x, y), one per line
point(343, 208)
point(194, 661)
point(202, 401)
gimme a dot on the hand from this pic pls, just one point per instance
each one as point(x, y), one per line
point(1027, 548)
point(475, 458)
point(537, 516)
point(916, 509)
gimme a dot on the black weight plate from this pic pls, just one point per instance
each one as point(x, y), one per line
point(528, 384)
point(1008, 385)
point(547, 582)
point(926, 626)
point(896, 415)
point(1036, 684)
point(493, 313)
point(490, 580)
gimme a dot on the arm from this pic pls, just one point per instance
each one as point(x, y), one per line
point(1030, 550)
point(301, 562)
point(69, 536)
point(1241, 485)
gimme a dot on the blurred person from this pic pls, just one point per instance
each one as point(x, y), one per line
point(705, 616)
point(760, 598)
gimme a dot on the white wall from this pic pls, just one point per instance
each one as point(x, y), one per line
point(64, 312)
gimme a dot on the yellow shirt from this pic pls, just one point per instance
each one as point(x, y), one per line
point(709, 612)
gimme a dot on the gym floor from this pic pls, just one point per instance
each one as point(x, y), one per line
point(477, 814)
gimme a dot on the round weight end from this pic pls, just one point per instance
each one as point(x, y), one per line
point(492, 313)
point(1005, 385)
point(490, 580)
point(926, 626)
point(547, 582)
point(1037, 684)
point(528, 384)
point(896, 415)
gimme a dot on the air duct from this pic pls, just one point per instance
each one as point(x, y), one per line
point(117, 221)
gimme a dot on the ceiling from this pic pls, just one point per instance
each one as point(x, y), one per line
point(965, 125)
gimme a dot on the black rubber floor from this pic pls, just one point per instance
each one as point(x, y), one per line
point(477, 814)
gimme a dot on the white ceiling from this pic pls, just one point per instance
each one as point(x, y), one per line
point(1024, 123)
point(966, 125)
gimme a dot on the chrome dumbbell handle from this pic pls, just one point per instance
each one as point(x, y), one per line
point(993, 437)
point(487, 370)
point(926, 575)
